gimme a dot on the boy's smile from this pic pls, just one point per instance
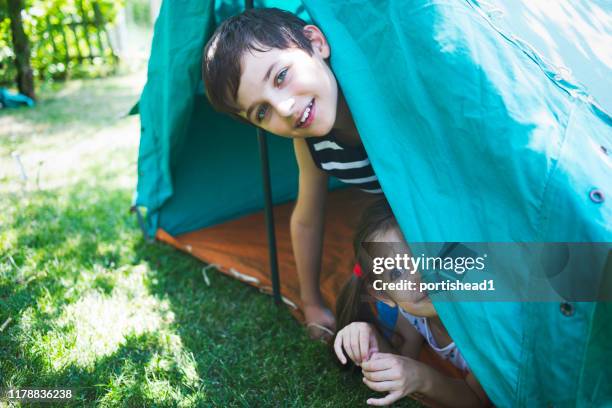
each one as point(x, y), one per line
point(288, 92)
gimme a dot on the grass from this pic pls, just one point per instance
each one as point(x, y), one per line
point(95, 308)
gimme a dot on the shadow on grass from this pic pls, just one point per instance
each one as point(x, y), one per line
point(58, 234)
point(218, 345)
point(115, 379)
point(249, 350)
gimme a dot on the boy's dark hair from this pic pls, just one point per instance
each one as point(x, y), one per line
point(260, 29)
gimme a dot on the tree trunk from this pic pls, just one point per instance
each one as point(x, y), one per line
point(21, 48)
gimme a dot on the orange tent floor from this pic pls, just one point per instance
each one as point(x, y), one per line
point(239, 248)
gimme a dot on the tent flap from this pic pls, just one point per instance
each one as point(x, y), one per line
point(474, 141)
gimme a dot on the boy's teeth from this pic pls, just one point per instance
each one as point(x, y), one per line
point(306, 113)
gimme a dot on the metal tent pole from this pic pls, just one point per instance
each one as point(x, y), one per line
point(267, 187)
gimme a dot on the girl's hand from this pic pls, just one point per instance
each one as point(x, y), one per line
point(358, 340)
point(397, 375)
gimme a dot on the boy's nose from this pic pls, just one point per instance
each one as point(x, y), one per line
point(285, 106)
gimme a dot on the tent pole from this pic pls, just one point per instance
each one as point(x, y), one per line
point(267, 185)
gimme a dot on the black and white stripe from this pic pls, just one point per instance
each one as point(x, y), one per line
point(349, 164)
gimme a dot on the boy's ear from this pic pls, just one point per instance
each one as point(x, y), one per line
point(318, 41)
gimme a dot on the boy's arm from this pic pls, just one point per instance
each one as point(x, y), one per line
point(307, 228)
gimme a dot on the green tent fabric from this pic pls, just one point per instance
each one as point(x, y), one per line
point(473, 135)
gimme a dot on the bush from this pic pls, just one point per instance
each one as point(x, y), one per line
point(140, 12)
point(63, 34)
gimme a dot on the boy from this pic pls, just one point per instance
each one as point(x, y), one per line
point(269, 68)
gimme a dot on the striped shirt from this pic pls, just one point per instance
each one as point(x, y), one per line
point(349, 164)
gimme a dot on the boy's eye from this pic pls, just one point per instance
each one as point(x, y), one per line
point(395, 274)
point(261, 113)
point(281, 76)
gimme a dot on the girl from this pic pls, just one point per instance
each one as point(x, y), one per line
point(393, 367)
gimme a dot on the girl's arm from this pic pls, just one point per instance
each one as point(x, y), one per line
point(400, 376)
point(406, 340)
point(453, 392)
point(412, 339)
point(307, 231)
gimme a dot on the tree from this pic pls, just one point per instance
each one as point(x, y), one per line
point(21, 48)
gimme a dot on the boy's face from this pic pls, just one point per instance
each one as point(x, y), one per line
point(288, 92)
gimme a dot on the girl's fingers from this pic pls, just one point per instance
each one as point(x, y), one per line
point(364, 345)
point(377, 364)
point(353, 345)
point(382, 356)
point(371, 351)
point(338, 348)
point(373, 346)
point(383, 375)
point(380, 386)
point(387, 400)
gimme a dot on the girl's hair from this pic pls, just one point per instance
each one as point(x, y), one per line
point(351, 305)
point(258, 29)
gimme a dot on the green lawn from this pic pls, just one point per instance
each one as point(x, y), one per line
point(87, 304)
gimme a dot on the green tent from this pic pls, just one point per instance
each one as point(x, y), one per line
point(474, 136)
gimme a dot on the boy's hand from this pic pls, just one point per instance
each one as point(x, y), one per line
point(397, 375)
point(358, 340)
point(321, 322)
